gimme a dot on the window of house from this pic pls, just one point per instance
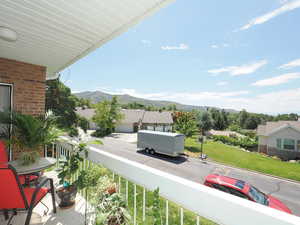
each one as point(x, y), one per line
point(298, 145)
point(289, 144)
point(5, 101)
point(5, 105)
point(279, 143)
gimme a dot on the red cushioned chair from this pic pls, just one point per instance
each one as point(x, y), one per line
point(4, 159)
point(14, 197)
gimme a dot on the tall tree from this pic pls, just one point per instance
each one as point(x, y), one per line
point(107, 116)
point(243, 116)
point(185, 123)
point(61, 102)
point(205, 122)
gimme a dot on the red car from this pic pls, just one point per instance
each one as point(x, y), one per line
point(244, 190)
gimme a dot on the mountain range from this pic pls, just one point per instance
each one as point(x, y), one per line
point(98, 96)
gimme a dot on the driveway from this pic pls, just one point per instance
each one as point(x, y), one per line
point(126, 137)
point(196, 170)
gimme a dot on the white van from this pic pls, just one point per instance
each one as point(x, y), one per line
point(166, 143)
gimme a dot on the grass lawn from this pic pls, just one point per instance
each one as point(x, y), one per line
point(233, 156)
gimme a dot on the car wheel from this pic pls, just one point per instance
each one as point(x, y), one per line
point(147, 150)
point(151, 151)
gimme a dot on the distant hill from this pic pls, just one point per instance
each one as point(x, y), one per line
point(98, 96)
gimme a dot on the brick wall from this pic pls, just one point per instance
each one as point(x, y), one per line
point(28, 88)
point(28, 84)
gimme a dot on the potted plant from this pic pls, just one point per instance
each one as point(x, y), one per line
point(68, 168)
point(28, 134)
point(110, 205)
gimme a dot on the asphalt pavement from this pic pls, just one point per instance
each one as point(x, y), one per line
point(196, 170)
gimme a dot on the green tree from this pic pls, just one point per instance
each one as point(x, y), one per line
point(205, 122)
point(243, 116)
point(107, 116)
point(61, 102)
point(185, 123)
point(252, 122)
point(220, 120)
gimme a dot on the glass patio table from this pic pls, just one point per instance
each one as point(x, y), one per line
point(41, 164)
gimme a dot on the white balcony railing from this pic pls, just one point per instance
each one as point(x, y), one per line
point(214, 205)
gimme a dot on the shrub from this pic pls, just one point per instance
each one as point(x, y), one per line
point(83, 123)
point(100, 133)
point(73, 132)
point(247, 143)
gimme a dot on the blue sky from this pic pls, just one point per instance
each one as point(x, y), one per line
point(232, 54)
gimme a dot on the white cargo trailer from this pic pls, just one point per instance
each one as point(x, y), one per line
point(171, 144)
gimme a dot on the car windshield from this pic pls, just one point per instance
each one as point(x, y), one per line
point(258, 196)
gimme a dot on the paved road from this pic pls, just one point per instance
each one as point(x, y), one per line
point(196, 170)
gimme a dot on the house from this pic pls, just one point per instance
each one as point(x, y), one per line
point(88, 114)
point(133, 120)
point(280, 139)
point(158, 121)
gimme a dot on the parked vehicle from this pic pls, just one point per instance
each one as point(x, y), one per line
point(166, 143)
point(244, 190)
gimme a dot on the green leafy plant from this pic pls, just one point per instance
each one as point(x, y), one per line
point(71, 164)
point(246, 142)
point(28, 133)
point(112, 210)
point(155, 210)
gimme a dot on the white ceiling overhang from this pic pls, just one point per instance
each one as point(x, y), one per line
point(57, 33)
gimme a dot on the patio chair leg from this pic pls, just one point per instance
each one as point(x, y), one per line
point(53, 195)
point(10, 218)
point(27, 222)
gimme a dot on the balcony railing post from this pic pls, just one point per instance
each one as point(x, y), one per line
point(119, 185)
point(198, 220)
point(181, 216)
point(126, 194)
point(167, 212)
point(134, 205)
point(144, 204)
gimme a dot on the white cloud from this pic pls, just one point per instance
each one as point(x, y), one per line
point(277, 80)
point(146, 42)
point(285, 101)
point(222, 83)
point(240, 70)
point(180, 47)
point(283, 1)
point(224, 45)
point(294, 63)
point(286, 7)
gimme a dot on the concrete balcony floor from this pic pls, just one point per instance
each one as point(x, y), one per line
point(71, 216)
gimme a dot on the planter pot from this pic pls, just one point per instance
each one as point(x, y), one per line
point(111, 190)
point(67, 196)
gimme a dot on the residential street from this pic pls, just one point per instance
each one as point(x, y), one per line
point(196, 170)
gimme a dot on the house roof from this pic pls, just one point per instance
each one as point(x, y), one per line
point(55, 34)
point(134, 116)
point(158, 117)
point(271, 127)
point(86, 113)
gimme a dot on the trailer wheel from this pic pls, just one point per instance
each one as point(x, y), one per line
point(151, 151)
point(147, 150)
